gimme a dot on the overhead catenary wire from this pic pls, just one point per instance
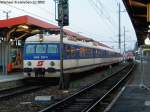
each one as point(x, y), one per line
point(102, 8)
point(107, 12)
point(99, 13)
point(99, 10)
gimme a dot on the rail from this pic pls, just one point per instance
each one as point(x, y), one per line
point(86, 99)
point(26, 88)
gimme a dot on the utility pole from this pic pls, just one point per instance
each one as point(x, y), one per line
point(124, 43)
point(62, 80)
point(63, 20)
point(7, 13)
point(119, 33)
point(124, 39)
point(1, 56)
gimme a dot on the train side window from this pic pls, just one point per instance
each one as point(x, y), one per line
point(102, 53)
point(73, 52)
point(97, 53)
point(94, 52)
point(87, 52)
point(105, 53)
point(30, 49)
point(90, 52)
point(82, 52)
point(67, 50)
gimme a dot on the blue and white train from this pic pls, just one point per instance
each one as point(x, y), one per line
point(42, 55)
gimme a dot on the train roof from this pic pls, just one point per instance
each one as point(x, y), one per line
point(68, 40)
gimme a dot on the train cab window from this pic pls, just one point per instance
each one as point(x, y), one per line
point(30, 49)
point(41, 48)
point(52, 49)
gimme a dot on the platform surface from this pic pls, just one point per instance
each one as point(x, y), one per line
point(136, 95)
point(11, 77)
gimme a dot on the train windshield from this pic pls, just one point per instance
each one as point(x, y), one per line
point(41, 48)
point(30, 49)
point(52, 49)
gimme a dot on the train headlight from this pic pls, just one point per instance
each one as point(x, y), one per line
point(52, 63)
point(29, 63)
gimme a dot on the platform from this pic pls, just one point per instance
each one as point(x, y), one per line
point(11, 80)
point(135, 97)
point(11, 77)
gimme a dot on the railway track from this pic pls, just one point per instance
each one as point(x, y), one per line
point(26, 88)
point(88, 98)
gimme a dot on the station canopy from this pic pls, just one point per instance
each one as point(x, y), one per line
point(139, 12)
point(19, 28)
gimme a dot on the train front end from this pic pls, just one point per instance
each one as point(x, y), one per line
point(41, 59)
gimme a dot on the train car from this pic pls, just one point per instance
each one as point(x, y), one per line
point(42, 55)
point(130, 56)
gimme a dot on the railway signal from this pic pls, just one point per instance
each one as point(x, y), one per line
point(63, 13)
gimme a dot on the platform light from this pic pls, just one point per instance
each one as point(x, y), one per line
point(23, 27)
point(147, 41)
point(35, 31)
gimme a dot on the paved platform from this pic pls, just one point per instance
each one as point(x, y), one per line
point(11, 80)
point(11, 77)
point(136, 95)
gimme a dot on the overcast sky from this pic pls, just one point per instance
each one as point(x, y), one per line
point(97, 19)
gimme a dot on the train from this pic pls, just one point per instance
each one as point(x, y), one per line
point(130, 56)
point(42, 55)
